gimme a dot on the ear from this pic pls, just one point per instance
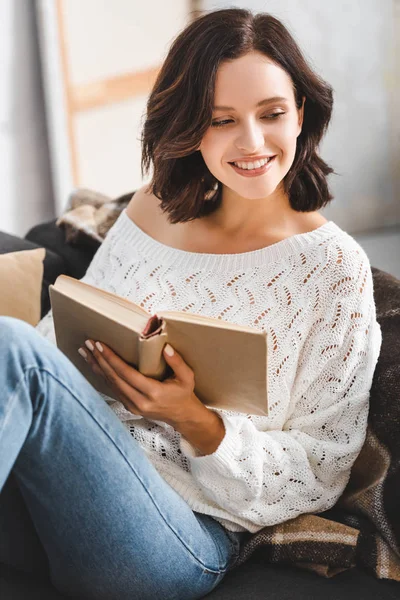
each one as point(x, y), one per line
point(301, 116)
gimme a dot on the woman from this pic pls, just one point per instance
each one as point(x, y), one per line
point(150, 496)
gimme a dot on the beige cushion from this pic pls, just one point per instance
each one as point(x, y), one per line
point(21, 275)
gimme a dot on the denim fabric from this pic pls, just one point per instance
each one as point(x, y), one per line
point(108, 523)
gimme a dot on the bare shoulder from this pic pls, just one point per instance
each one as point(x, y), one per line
point(143, 208)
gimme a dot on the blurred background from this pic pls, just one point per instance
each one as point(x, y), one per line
point(75, 76)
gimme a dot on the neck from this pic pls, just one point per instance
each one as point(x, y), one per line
point(238, 216)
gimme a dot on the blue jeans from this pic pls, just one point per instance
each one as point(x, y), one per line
point(108, 524)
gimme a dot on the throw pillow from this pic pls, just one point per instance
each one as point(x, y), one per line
point(21, 275)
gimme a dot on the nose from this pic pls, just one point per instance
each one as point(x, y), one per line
point(250, 138)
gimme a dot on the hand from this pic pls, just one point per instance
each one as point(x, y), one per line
point(172, 400)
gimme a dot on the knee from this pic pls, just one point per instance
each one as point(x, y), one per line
point(14, 330)
point(20, 343)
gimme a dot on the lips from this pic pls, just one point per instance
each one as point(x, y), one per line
point(254, 172)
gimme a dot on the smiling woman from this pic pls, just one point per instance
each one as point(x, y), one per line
point(155, 491)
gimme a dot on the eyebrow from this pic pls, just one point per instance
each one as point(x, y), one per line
point(261, 103)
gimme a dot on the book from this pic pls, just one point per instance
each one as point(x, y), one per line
point(229, 361)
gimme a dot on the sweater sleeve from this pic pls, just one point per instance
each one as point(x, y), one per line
point(268, 477)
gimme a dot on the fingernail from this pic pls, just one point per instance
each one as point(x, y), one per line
point(169, 350)
point(89, 345)
point(99, 346)
point(82, 353)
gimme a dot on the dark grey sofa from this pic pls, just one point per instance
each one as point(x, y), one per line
point(253, 580)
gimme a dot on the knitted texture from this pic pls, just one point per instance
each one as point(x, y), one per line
point(313, 295)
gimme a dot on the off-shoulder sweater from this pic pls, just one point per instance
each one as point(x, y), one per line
point(313, 295)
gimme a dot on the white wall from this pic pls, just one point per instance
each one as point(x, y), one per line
point(26, 195)
point(351, 44)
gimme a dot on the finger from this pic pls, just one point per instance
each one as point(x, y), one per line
point(129, 397)
point(96, 368)
point(124, 371)
point(89, 358)
point(181, 369)
point(113, 378)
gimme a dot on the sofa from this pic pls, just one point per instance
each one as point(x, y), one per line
point(252, 580)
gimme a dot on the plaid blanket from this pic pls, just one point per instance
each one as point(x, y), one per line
point(363, 528)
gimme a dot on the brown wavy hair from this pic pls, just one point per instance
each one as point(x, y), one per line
point(179, 112)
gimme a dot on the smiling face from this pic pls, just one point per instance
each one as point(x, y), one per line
point(250, 129)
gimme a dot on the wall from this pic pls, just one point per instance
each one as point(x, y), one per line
point(26, 194)
point(352, 45)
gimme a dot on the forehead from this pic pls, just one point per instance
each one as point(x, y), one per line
point(250, 78)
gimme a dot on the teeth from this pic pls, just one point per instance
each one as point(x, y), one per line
point(252, 165)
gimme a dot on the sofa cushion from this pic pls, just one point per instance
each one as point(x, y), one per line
point(54, 265)
point(21, 276)
point(250, 581)
point(76, 257)
point(257, 581)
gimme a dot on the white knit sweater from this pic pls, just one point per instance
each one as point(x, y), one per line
point(313, 294)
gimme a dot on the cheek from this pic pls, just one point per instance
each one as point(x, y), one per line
point(289, 133)
point(212, 148)
point(286, 140)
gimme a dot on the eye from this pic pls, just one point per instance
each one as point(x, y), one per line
point(271, 117)
point(274, 116)
point(219, 123)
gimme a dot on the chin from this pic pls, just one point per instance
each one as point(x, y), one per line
point(256, 193)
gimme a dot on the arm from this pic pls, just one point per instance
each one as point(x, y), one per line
point(205, 432)
point(268, 477)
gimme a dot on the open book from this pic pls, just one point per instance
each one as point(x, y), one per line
point(229, 361)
